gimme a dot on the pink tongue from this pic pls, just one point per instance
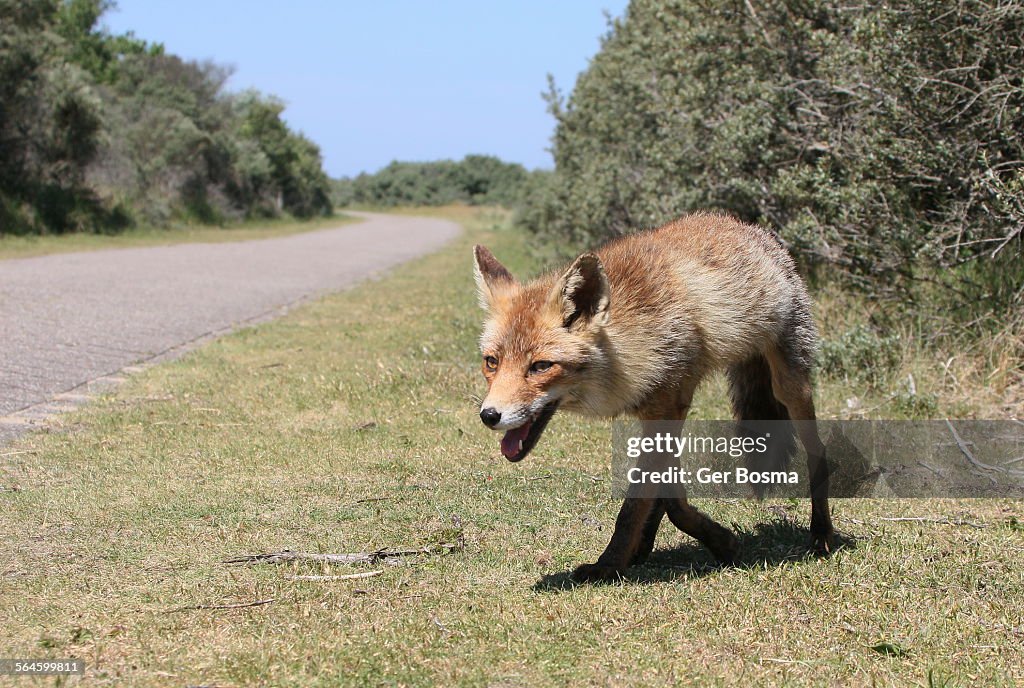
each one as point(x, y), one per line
point(510, 442)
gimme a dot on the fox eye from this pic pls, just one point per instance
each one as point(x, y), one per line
point(491, 362)
point(540, 366)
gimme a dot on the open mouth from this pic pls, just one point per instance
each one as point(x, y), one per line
point(518, 442)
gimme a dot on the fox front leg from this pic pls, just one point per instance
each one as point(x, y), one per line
point(628, 541)
point(650, 533)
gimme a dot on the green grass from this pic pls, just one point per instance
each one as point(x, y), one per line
point(32, 245)
point(349, 425)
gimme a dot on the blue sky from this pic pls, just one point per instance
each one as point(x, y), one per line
point(372, 82)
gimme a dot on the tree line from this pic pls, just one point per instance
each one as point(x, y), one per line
point(99, 132)
point(475, 180)
point(884, 141)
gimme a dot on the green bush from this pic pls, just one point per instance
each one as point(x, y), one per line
point(883, 140)
point(860, 354)
point(915, 405)
point(475, 180)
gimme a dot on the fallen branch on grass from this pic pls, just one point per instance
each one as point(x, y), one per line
point(970, 457)
point(381, 555)
point(928, 519)
point(240, 605)
point(348, 576)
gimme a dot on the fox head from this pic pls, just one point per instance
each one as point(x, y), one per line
point(537, 342)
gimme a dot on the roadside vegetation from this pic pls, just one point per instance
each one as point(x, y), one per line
point(883, 142)
point(474, 180)
point(349, 426)
point(100, 133)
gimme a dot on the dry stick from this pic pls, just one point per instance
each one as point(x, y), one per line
point(757, 20)
point(240, 605)
point(349, 576)
point(286, 556)
point(970, 457)
point(929, 519)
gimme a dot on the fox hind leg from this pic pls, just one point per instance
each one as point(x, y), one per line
point(716, 537)
point(791, 385)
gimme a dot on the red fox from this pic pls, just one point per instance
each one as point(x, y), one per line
point(632, 328)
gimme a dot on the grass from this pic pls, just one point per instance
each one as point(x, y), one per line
point(349, 426)
point(34, 245)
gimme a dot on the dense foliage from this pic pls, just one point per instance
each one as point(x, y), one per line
point(884, 139)
point(98, 132)
point(476, 179)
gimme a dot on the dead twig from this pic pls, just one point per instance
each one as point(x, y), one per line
point(348, 576)
point(929, 519)
point(385, 555)
point(970, 457)
point(240, 605)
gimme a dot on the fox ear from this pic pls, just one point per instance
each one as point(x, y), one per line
point(582, 295)
point(491, 276)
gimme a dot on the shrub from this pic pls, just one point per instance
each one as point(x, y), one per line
point(860, 354)
point(881, 139)
point(476, 180)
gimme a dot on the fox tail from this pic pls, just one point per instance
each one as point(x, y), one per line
point(758, 412)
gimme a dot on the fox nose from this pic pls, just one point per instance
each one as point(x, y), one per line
point(490, 416)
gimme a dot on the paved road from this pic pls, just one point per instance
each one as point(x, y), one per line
point(69, 319)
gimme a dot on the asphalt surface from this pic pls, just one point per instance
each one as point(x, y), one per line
point(69, 322)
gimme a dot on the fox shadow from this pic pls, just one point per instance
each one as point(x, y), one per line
point(772, 543)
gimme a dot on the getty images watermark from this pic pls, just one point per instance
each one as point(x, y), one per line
point(866, 458)
point(665, 444)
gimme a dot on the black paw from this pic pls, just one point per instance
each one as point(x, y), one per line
point(597, 573)
point(823, 544)
point(726, 549)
